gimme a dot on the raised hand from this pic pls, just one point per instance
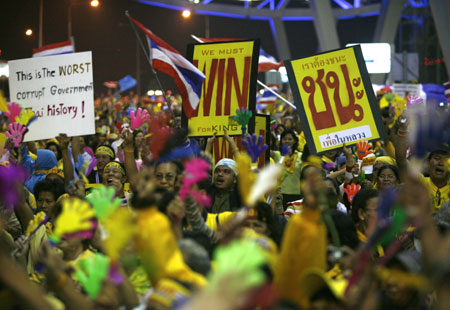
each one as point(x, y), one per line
point(351, 190)
point(92, 272)
point(14, 111)
point(75, 217)
point(63, 140)
point(103, 202)
point(363, 149)
point(242, 117)
point(140, 118)
point(15, 133)
point(254, 146)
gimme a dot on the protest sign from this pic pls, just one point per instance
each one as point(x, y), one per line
point(335, 99)
point(221, 148)
point(231, 70)
point(60, 91)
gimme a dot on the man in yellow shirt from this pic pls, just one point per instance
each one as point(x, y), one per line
point(438, 184)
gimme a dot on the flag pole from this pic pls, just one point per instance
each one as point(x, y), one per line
point(259, 82)
point(147, 56)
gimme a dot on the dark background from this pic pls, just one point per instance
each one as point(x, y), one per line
point(106, 32)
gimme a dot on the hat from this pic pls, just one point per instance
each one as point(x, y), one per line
point(227, 162)
point(367, 163)
point(315, 279)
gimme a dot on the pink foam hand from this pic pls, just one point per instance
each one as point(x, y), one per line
point(14, 111)
point(196, 170)
point(15, 133)
point(351, 191)
point(139, 118)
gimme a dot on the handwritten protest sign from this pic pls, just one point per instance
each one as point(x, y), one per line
point(231, 71)
point(59, 89)
point(335, 99)
point(221, 148)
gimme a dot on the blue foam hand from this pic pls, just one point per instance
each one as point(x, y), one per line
point(285, 150)
point(254, 146)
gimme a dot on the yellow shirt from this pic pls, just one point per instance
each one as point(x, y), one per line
point(158, 249)
point(438, 196)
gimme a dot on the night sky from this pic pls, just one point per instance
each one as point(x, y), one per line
point(106, 32)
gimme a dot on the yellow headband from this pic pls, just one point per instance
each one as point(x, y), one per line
point(113, 164)
point(104, 150)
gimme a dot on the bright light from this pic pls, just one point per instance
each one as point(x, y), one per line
point(95, 3)
point(159, 105)
point(186, 14)
point(261, 91)
point(158, 92)
point(4, 69)
point(377, 56)
point(151, 92)
point(29, 32)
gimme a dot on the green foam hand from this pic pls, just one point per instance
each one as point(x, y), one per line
point(399, 220)
point(103, 202)
point(242, 117)
point(92, 271)
point(242, 259)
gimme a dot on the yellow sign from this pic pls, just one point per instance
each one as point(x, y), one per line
point(221, 148)
point(230, 84)
point(335, 99)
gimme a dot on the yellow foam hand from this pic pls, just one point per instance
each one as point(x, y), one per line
point(25, 116)
point(35, 222)
point(121, 228)
point(3, 104)
point(3, 139)
point(75, 217)
point(246, 176)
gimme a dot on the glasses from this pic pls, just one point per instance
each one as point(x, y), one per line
point(168, 177)
point(387, 177)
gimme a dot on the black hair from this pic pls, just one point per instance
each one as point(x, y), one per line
point(195, 256)
point(335, 184)
point(393, 168)
point(345, 228)
point(178, 164)
point(305, 168)
point(166, 199)
point(109, 147)
point(360, 202)
point(54, 186)
point(265, 214)
point(290, 132)
point(58, 149)
point(135, 133)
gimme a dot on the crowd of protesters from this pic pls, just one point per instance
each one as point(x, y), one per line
point(141, 218)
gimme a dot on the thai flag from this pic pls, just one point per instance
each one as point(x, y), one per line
point(447, 90)
point(267, 62)
point(268, 97)
point(168, 60)
point(65, 47)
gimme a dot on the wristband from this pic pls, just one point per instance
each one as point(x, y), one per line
point(348, 175)
point(402, 133)
point(128, 151)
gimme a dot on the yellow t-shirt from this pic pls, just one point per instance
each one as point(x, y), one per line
point(438, 196)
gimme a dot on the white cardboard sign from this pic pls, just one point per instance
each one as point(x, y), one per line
point(60, 91)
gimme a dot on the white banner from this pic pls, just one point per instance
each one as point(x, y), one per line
point(60, 91)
